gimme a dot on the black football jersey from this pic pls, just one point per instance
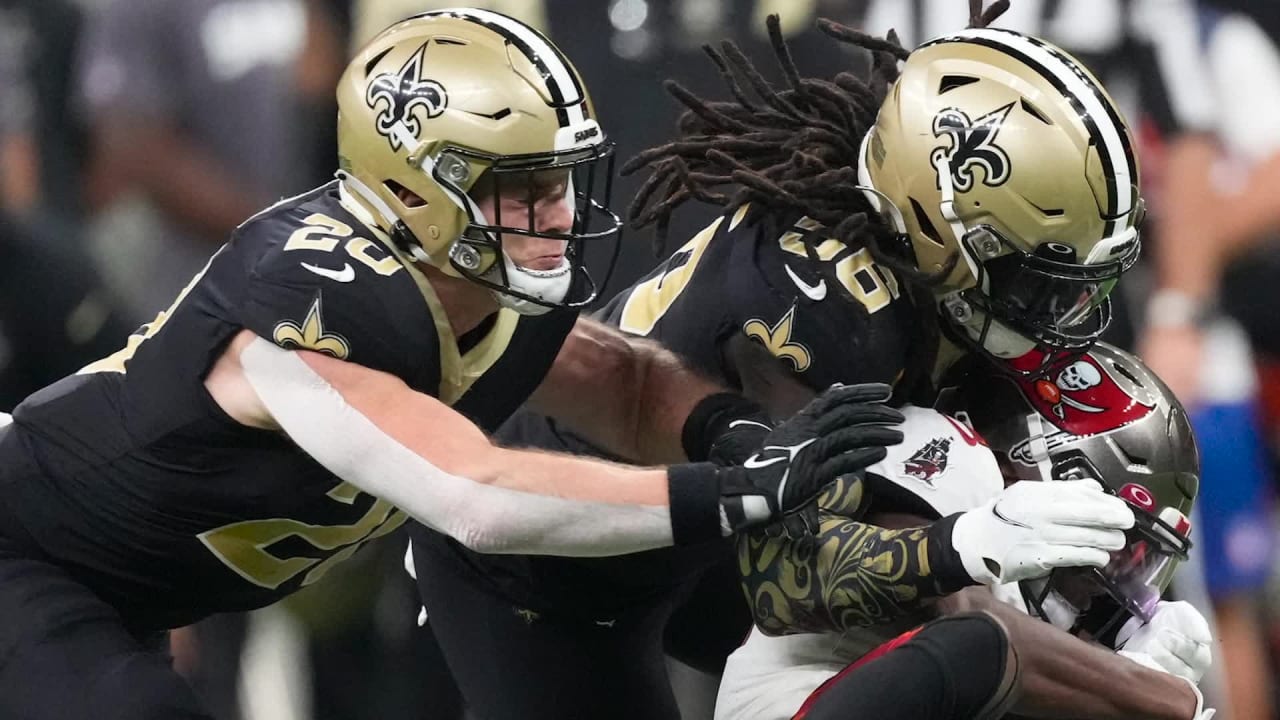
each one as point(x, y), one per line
point(832, 315)
point(825, 310)
point(133, 478)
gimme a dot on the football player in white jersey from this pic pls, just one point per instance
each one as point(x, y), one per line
point(1103, 418)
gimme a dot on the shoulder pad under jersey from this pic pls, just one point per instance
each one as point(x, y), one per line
point(320, 280)
point(683, 302)
point(941, 461)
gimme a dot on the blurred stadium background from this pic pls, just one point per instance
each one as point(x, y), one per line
point(134, 134)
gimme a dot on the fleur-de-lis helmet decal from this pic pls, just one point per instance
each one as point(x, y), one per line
point(396, 95)
point(972, 143)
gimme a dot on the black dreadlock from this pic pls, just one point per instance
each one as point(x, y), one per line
point(793, 151)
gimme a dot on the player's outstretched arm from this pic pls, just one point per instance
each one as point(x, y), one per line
point(853, 574)
point(372, 430)
point(1063, 676)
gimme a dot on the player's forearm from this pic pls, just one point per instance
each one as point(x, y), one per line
point(369, 429)
point(526, 502)
point(852, 574)
point(671, 391)
point(1063, 676)
point(1066, 677)
point(627, 395)
point(573, 477)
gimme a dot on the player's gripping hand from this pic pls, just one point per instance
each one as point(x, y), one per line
point(1176, 639)
point(1033, 527)
point(841, 432)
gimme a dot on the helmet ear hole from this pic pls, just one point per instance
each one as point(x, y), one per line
point(407, 197)
point(1120, 368)
point(925, 224)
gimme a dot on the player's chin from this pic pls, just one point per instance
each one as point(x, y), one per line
point(542, 263)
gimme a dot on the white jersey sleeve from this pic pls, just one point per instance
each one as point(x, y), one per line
point(941, 461)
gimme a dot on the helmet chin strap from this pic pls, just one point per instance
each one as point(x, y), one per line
point(947, 206)
point(996, 339)
point(1058, 612)
point(1052, 608)
point(351, 185)
point(1038, 446)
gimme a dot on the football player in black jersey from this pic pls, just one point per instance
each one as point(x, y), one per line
point(806, 280)
point(332, 372)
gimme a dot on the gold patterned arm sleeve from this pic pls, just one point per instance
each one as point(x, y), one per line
point(850, 574)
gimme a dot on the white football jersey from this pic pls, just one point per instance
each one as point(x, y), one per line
point(942, 462)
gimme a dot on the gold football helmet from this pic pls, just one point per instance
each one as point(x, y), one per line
point(454, 101)
point(999, 156)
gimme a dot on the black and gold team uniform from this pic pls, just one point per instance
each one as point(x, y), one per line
point(540, 637)
point(133, 503)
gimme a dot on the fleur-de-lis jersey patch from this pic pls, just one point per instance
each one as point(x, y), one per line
point(777, 339)
point(310, 335)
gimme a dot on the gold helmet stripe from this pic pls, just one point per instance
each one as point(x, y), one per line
point(562, 82)
point(1095, 111)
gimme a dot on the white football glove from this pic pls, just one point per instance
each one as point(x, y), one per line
point(1033, 527)
point(1201, 712)
point(1177, 640)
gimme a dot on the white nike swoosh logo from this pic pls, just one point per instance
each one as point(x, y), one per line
point(754, 462)
point(736, 423)
point(345, 275)
point(813, 292)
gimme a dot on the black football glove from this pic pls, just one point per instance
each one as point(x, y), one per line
point(841, 432)
point(741, 439)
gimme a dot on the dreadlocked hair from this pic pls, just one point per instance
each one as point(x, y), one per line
point(793, 151)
